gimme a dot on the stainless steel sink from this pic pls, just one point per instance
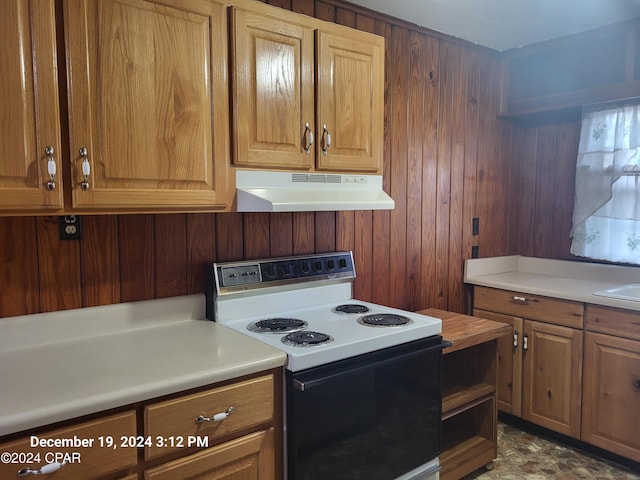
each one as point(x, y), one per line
point(625, 292)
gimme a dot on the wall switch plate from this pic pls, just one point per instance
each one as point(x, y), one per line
point(475, 226)
point(70, 227)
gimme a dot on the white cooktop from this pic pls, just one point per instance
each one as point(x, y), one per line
point(350, 338)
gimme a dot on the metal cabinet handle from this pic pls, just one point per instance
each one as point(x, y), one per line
point(218, 417)
point(525, 342)
point(308, 138)
point(520, 299)
point(49, 468)
point(515, 339)
point(326, 140)
point(86, 168)
point(51, 168)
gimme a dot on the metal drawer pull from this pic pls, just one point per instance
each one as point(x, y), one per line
point(86, 168)
point(308, 136)
point(520, 299)
point(218, 417)
point(326, 137)
point(49, 468)
point(515, 339)
point(51, 168)
point(525, 342)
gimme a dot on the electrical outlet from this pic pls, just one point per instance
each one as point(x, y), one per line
point(70, 227)
point(475, 251)
point(475, 226)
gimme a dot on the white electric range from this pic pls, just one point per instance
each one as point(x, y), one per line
point(359, 376)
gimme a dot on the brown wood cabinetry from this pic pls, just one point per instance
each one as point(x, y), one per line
point(89, 462)
point(29, 107)
point(587, 68)
point(610, 413)
point(307, 95)
point(243, 443)
point(147, 103)
point(542, 369)
point(469, 414)
point(552, 377)
point(509, 376)
point(250, 457)
point(251, 402)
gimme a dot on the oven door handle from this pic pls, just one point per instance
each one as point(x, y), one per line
point(303, 385)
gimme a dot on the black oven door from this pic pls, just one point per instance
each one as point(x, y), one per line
point(373, 417)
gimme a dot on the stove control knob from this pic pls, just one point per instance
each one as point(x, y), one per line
point(318, 265)
point(305, 267)
point(286, 270)
point(331, 265)
point(343, 263)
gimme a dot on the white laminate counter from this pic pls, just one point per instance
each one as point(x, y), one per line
point(63, 365)
point(553, 278)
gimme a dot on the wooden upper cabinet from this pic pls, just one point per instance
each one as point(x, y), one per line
point(29, 108)
point(273, 91)
point(148, 100)
point(350, 101)
point(292, 77)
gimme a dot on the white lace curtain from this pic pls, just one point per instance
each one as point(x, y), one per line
point(606, 214)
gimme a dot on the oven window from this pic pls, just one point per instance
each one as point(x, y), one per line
point(374, 418)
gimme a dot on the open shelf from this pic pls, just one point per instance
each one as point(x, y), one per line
point(469, 375)
point(468, 437)
point(461, 399)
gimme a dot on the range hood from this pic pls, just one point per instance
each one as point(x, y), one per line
point(268, 191)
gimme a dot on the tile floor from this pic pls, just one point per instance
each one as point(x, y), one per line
point(522, 455)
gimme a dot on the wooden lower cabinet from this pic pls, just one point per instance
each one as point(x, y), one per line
point(540, 373)
point(88, 463)
point(552, 377)
point(509, 380)
point(611, 399)
point(247, 458)
point(579, 376)
point(540, 363)
point(244, 445)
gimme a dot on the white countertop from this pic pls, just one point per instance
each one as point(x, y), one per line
point(62, 365)
point(576, 281)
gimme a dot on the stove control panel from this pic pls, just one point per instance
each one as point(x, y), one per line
point(284, 270)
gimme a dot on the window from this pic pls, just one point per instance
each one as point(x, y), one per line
point(606, 214)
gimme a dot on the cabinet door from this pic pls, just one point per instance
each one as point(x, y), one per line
point(148, 100)
point(509, 381)
point(610, 413)
point(350, 101)
point(29, 106)
point(273, 92)
point(248, 458)
point(552, 377)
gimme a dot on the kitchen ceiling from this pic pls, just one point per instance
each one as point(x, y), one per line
point(506, 24)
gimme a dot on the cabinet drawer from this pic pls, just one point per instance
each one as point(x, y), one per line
point(621, 323)
point(525, 305)
point(88, 462)
point(175, 420)
point(250, 457)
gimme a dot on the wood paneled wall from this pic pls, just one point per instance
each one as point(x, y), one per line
point(444, 164)
point(543, 159)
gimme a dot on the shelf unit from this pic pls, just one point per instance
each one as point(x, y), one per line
point(469, 409)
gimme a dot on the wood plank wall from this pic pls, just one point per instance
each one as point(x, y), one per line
point(444, 164)
point(543, 159)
